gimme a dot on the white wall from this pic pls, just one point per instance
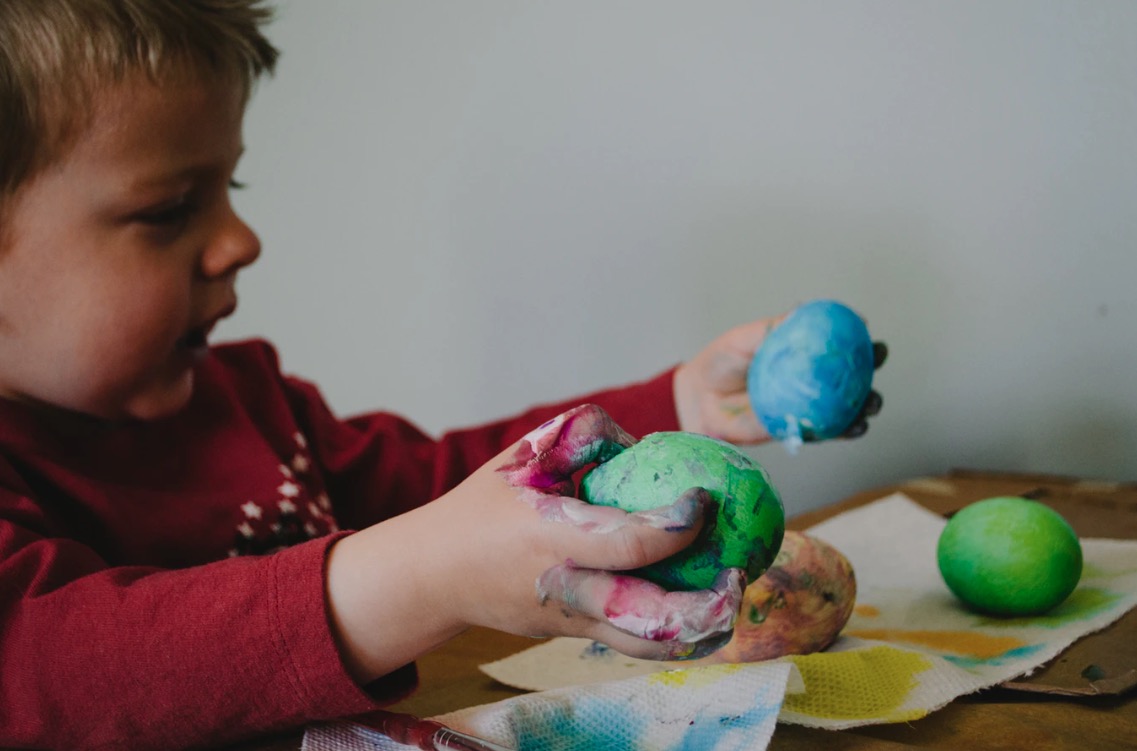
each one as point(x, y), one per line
point(469, 207)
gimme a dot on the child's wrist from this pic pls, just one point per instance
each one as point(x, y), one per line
point(383, 612)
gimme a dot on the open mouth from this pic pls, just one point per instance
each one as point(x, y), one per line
point(196, 338)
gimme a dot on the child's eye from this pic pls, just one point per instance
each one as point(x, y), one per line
point(170, 215)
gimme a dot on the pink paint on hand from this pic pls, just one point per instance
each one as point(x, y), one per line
point(642, 608)
point(692, 624)
point(688, 624)
point(547, 457)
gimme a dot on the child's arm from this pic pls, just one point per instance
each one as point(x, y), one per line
point(138, 657)
point(509, 548)
point(378, 465)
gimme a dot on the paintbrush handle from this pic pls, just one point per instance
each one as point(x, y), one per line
point(405, 728)
point(448, 739)
point(424, 734)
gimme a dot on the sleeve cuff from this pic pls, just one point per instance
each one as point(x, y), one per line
point(303, 634)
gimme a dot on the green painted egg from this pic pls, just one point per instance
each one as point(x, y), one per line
point(748, 529)
point(1009, 556)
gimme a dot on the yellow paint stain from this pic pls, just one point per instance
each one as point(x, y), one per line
point(866, 611)
point(970, 643)
point(869, 683)
point(694, 677)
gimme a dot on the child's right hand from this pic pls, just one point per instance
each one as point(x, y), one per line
point(511, 549)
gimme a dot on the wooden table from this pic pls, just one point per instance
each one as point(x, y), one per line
point(1100, 713)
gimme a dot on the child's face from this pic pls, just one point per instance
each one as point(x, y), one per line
point(119, 258)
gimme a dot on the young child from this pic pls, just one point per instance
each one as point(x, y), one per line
point(175, 565)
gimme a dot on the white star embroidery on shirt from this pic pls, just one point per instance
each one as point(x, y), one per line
point(284, 470)
point(310, 528)
point(301, 441)
point(300, 463)
point(287, 507)
point(314, 510)
point(245, 529)
point(325, 502)
point(289, 489)
point(252, 510)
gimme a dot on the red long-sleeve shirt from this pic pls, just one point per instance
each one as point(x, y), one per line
point(162, 584)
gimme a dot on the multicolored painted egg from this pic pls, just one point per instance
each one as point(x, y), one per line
point(798, 606)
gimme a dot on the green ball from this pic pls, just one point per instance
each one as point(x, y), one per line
point(1009, 556)
point(748, 529)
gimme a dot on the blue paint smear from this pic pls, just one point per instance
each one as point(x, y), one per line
point(603, 724)
point(1011, 655)
point(706, 732)
point(582, 725)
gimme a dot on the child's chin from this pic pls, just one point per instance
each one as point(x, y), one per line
point(162, 401)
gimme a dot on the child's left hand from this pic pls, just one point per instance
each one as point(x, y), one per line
point(710, 388)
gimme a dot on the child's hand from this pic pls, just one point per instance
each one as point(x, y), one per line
point(578, 593)
point(710, 389)
point(511, 549)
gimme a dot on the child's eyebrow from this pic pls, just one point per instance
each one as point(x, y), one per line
point(193, 172)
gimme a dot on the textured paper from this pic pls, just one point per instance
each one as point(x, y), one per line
point(719, 708)
point(910, 646)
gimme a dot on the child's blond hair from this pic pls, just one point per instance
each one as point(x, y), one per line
point(56, 54)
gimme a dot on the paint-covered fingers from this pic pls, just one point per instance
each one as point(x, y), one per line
point(546, 458)
point(860, 424)
point(663, 651)
point(879, 354)
point(661, 624)
point(873, 402)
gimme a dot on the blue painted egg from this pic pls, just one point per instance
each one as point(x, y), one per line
point(813, 373)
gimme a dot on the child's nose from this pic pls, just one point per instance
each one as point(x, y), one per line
point(233, 247)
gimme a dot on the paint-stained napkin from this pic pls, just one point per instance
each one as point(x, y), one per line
point(717, 708)
point(910, 647)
